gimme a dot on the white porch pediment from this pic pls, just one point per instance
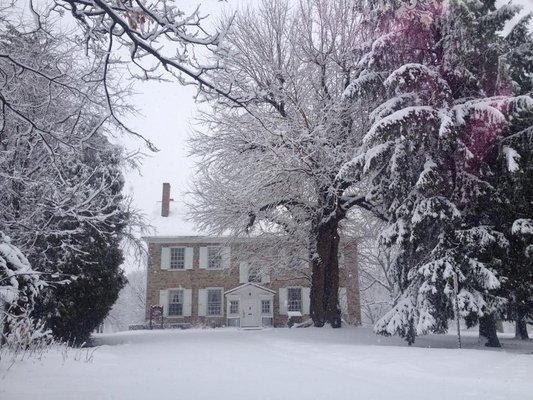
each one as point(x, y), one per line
point(250, 286)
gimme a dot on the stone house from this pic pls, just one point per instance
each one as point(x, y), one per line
point(199, 280)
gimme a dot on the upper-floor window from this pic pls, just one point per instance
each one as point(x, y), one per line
point(254, 275)
point(214, 257)
point(175, 302)
point(234, 306)
point(265, 306)
point(294, 299)
point(214, 301)
point(177, 258)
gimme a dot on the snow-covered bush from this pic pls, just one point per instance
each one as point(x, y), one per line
point(20, 285)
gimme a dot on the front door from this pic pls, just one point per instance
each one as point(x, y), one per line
point(251, 316)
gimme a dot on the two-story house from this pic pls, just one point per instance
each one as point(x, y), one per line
point(199, 280)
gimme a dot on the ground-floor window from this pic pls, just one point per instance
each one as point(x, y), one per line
point(265, 306)
point(294, 299)
point(175, 302)
point(214, 301)
point(234, 306)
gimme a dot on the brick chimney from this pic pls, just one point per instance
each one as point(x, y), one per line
point(165, 200)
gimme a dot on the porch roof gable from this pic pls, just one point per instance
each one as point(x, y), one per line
point(249, 284)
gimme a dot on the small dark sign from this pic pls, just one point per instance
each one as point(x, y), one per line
point(156, 314)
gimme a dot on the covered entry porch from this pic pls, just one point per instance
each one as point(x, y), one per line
point(250, 306)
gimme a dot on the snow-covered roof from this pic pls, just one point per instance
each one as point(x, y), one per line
point(187, 239)
point(176, 224)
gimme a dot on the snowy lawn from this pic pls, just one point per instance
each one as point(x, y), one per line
point(348, 363)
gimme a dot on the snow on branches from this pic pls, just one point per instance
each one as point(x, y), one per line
point(19, 287)
point(159, 36)
point(434, 140)
point(522, 227)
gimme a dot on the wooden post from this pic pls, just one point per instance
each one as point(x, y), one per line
point(456, 292)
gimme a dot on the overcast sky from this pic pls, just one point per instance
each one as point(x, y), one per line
point(167, 117)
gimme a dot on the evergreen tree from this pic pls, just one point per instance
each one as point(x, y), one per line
point(429, 154)
point(513, 178)
point(19, 287)
point(73, 311)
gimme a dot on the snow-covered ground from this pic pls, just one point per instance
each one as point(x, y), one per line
point(350, 363)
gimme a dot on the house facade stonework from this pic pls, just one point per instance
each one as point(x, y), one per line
point(199, 280)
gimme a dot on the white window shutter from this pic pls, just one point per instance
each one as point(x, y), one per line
point(187, 302)
point(243, 272)
point(163, 301)
point(222, 308)
point(343, 300)
point(203, 258)
point(283, 301)
point(226, 256)
point(188, 257)
point(202, 302)
point(165, 257)
point(306, 300)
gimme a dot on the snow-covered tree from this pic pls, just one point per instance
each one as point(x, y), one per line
point(273, 166)
point(94, 235)
point(513, 179)
point(61, 178)
point(430, 153)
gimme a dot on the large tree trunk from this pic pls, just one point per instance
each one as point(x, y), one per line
point(325, 275)
point(521, 329)
point(328, 250)
point(317, 290)
point(487, 331)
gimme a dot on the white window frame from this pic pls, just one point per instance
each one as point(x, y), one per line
point(289, 309)
point(181, 302)
point(263, 302)
point(211, 253)
point(207, 310)
point(171, 265)
point(232, 302)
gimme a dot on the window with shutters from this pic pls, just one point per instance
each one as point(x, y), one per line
point(214, 257)
point(234, 306)
point(294, 299)
point(214, 301)
point(265, 306)
point(175, 302)
point(177, 258)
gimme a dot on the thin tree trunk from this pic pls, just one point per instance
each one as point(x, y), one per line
point(521, 329)
point(487, 331)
